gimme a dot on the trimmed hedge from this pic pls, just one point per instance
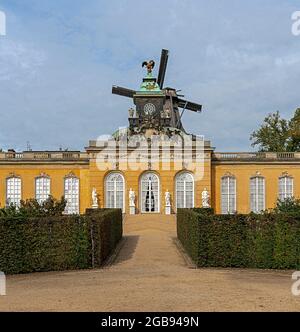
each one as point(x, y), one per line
point(58, 242)
point(105, 231)
point(269, 241)
point(206, 211)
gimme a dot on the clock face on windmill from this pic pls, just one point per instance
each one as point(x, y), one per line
point(149, 109)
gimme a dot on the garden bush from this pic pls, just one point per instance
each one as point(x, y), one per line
point(49, 243)
point(268, 240)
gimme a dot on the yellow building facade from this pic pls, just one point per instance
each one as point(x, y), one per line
point(278, 173)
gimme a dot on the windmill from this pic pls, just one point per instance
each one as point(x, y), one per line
point(172, 100)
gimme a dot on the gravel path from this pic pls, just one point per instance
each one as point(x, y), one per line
point(150, 274)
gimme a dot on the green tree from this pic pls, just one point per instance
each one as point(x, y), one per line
point(288, 205)
point(294, 132)
point(277, 134)
point(273, 135)
point(31, 207)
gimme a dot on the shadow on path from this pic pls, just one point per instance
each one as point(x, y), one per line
point(128, 249)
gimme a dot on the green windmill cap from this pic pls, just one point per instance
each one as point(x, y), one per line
point(149, 86)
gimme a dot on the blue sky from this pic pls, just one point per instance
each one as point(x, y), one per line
point(60, 58)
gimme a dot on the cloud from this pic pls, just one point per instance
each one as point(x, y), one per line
point(19, 61)
point(60, 59)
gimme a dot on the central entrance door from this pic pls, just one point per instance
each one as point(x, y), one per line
point(149, 193)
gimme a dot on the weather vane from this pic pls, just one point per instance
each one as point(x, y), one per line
point(150, 65)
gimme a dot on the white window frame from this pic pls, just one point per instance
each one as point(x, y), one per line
point(143, 176)
point(181, 174)
point(285, 185)
point(11, 191)
point(40, 196)
point(228, 194)
point(107, 178)
point(72, 209)
point(255, 208)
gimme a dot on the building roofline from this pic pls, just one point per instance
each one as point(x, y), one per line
point(258, 157)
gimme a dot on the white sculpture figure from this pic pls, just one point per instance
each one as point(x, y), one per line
point(168, 202)
point(131, 201)
point(131, 197)
point(168, 198)
point(95, 199)
point(205, 198)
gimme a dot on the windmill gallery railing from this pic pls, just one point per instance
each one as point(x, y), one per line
point(256, 156)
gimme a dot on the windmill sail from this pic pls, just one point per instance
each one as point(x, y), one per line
point(163, 67)
point(117, 90)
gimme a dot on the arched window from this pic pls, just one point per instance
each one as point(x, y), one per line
point(13, 191)
point(42, 188)
point(286, 184)
point(257, 194)
point(150, 193)
point(228, 194)
point(184, 190)
point(114, 191)
point(71, 193)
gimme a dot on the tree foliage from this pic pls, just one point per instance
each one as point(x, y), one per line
point(277, 134)
point(294, 132)
point(31, 207)
point(289, 205)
